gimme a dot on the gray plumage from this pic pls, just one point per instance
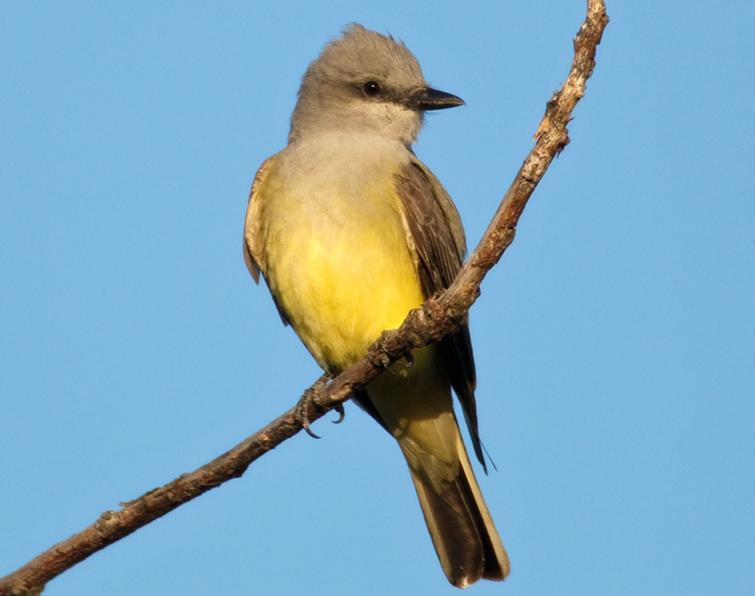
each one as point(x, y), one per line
point(331, 93)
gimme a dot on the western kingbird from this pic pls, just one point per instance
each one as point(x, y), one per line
point(351, 231)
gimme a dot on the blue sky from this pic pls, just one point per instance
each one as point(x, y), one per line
point(615, 342)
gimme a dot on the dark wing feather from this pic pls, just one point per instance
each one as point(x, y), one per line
point(438, 240)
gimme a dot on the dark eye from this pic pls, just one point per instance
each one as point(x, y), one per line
point(371, 88)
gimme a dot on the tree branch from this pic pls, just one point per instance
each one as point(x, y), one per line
point(429, 323)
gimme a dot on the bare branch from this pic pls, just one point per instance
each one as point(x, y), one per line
point(429, 323)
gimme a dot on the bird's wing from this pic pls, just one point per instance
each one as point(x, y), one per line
point(254, 256)
point(437, 238)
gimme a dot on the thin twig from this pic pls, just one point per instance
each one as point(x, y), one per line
point(438, 316)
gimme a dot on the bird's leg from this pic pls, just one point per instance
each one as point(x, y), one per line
point(309, 400)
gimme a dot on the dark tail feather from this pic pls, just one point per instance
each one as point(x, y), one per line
point(461, 528)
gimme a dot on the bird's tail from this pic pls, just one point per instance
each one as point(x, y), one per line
point(414, 404)
point(462, 530)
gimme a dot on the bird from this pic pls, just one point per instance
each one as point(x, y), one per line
point(350, 231)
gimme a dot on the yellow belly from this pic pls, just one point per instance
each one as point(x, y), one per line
point(341, 268)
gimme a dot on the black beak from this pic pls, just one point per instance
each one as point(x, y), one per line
point(427, 98)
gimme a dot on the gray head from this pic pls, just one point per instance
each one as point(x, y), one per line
point(364, 82)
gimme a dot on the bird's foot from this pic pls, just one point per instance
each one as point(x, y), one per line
point(308, 403)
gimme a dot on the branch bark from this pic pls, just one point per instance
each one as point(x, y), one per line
point(429, 323)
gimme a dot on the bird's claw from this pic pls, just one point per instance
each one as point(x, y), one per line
point(341, 413)
point(308, 430)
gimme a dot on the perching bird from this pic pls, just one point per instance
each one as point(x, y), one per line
point(351, 231)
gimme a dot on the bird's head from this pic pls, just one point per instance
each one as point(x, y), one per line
point(365, 82)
